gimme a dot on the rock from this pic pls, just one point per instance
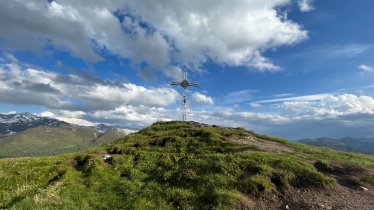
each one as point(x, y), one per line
point(287, 207)
point(363, 188)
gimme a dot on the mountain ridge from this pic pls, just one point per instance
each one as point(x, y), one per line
point(27, 134)
point(187, 165)
point(13, 123)
point(349, 144)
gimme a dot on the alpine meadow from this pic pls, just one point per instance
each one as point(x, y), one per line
point(186, 105)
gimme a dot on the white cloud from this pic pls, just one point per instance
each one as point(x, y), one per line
point(160, 33)
point(47, 114)
point(298, 98)
point(83, 29)
point(334, 115)
point(236, 97)
point(84, 100)
point(100, 96)
point(134, 115)
point(330, 106)
point(233, 33)
point(174, 72)
point(22, 85)
point(201, 98)
point(69, 117)
point(10, 112)
point(321, 105)
point(255, 105)
point(335, 51)
point(366, 68)
point(305, 5)
point(283, 95)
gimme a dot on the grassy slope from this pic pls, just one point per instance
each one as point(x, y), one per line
point(349, 145)
point(48, 140)
point(166, 166)
point(109, 136)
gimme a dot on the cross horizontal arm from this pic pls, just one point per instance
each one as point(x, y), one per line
point(175, 83)
point(194, 84)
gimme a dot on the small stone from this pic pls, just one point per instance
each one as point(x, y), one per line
point(287, 207)
point(363, 188)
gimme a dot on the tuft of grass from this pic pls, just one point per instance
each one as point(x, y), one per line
point(87, 163)
point(368, 179)
point(323, 166)
point(256, 184)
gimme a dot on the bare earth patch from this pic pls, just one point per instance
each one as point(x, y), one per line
point(334, 198)
point(264, 145)
point(348, 194)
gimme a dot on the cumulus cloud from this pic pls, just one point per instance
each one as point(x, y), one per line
point(20, 84)
point(81, 28)
point(88, 100)
point(174, 72)
point(69, 117)
point(366, 68)
point(319, 106)
point(330, 106)
point(134, 115)
point(305, 5)
point(233, 33)
point(155, 33)
point(201, 98)
point(334, 115)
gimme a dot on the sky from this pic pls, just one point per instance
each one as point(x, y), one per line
point(290, 68)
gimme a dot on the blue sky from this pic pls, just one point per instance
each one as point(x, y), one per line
point(291, 68)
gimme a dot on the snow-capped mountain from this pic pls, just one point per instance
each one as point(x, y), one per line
point(26, 134)
point(13, 123)
point(102, 128)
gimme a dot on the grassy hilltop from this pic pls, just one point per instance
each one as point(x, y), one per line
point(186, 165)
point(54, 140)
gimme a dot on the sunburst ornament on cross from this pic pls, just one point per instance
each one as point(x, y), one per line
point(185, 84)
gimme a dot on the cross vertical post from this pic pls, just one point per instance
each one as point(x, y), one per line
point(184, 84)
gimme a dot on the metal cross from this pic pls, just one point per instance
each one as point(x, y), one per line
point(185, 84)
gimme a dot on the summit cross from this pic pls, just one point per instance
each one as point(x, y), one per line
point(185, 84)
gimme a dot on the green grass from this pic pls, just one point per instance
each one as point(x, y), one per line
point(48, 140)
point(169, 165)
point(369, 179)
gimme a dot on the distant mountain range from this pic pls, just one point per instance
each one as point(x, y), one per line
point(26, 134)
point(13, 123)
point(361, 145)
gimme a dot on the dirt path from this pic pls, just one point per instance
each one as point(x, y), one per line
point(264, 145)
point(338, 197)
point(348, 194)
point(335, 198)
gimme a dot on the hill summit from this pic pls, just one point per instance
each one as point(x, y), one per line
point(188, 165)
